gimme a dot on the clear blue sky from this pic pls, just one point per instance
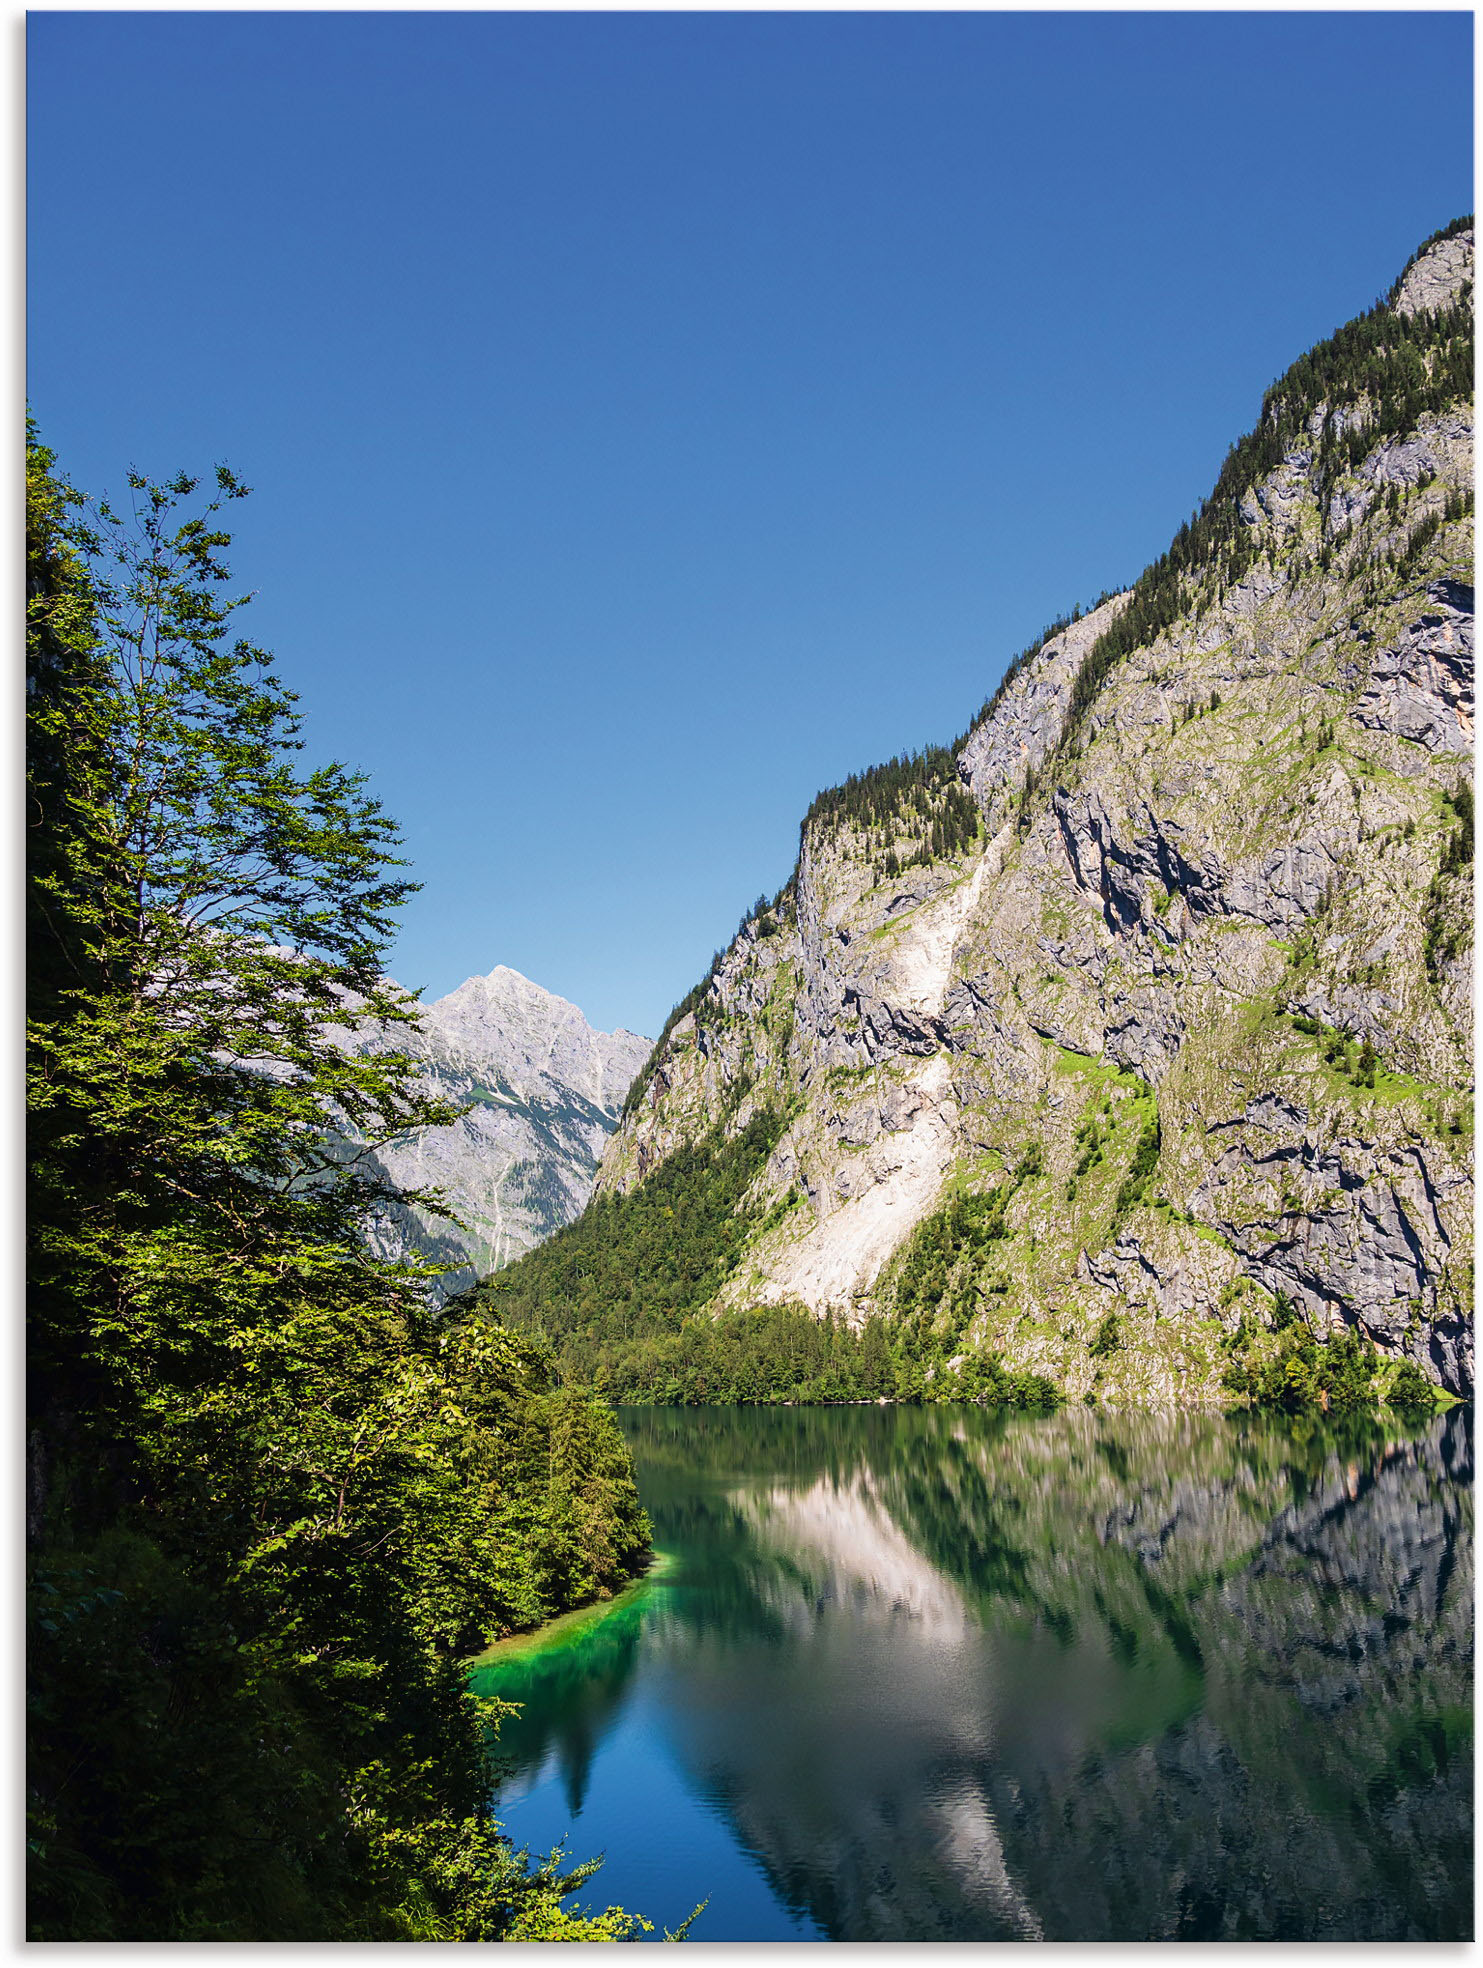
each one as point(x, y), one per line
point(654, 418)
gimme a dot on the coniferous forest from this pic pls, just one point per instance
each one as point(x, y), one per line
point(623, 1298)
point(272, 1502)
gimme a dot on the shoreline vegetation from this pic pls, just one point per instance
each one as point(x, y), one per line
point(566, 1627)
point(273, 1499)
point(622, 1297)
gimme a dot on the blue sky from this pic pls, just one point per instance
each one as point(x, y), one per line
point(654, 418)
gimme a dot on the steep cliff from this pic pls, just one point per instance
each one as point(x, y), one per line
point(545, 1091)
point(1191, 989)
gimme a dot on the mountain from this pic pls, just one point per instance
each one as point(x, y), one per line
point(1140, 1018)
point(1269, 1595)
point(546, 1092)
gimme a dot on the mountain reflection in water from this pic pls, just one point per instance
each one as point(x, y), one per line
point(937, 1674)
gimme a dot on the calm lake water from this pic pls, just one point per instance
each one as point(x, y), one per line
point(940, 1675)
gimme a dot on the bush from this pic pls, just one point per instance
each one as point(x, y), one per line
point(1107, 1338)
point(1411, 1394)
point(1305, 1375)
point(1140, 1171)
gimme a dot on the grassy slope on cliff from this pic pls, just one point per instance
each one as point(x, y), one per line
point(1223, 707)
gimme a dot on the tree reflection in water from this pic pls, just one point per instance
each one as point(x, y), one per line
point(951, 1675)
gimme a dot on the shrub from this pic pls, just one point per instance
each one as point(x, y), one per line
point(1107, 1338)
point(1411, 1394)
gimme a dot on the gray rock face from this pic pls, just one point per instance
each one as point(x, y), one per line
point(1422, 689)
point(1438, 276)
point(546, 1090)
point(1027, 721)
point(1249, 835)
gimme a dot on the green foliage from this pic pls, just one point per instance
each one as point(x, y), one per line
point(936, 1291)
point(1458, 851)
point(986, 1379)
point(1107, 1338)
point(1140, 1170)
point(880, 793)
point(918, 795)
point(271, 1500)
point(1091, 1141)
point(1418, 540)
point(622, 1295)
point(1302, 1374)
point(632, 1266)
point(766, 1354)
point(272, 1740)
point(1356, 1062)
point(1373, 379)
point(1411, 1394)
point(939, 1246)
point(1446, 911)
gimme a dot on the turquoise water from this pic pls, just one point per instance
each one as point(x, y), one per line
point(936, 1674)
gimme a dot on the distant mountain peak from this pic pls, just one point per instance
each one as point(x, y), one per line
point(535, 1035)
point(546, 1088)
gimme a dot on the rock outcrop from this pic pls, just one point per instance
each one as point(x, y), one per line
point(1218, 913)
point(545, 1091)
point(1437, 274)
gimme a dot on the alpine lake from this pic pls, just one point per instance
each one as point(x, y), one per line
point(944, 1674)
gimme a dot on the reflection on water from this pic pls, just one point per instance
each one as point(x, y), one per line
point(931, 1674)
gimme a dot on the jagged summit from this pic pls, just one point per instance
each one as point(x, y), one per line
point(535, 1036)
point(545, 1089)
point(1192, 988)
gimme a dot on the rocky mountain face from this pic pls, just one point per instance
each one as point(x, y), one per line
point(1196, 998)
point(546, 1090)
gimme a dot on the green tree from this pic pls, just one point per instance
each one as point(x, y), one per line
point(271, 1498)
point(217, 909)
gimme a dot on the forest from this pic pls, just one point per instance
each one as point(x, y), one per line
point(622, 1297)
point(623, 1300)
point(1372, 379)
point(273, 1500)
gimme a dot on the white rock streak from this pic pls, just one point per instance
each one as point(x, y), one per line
point(839, 1257)
point(867, 1561)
